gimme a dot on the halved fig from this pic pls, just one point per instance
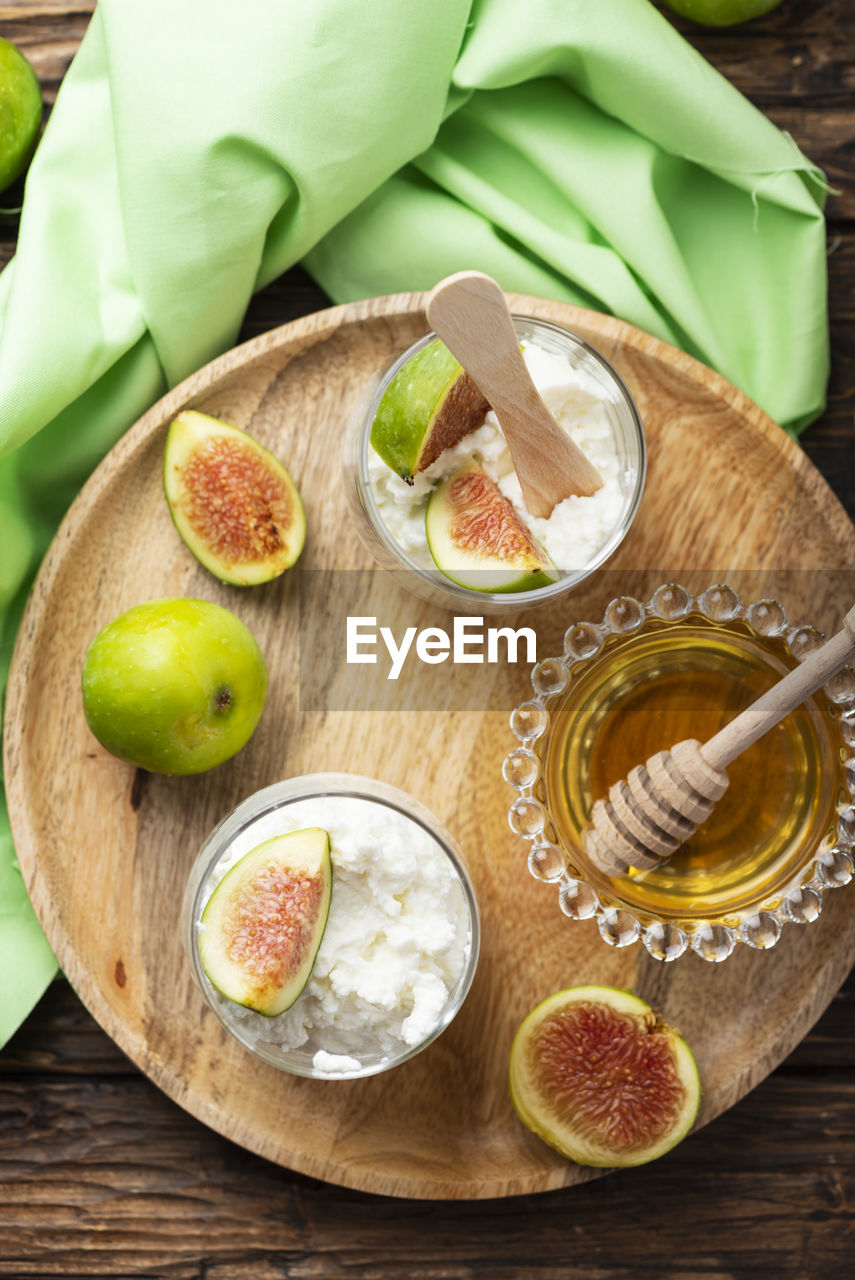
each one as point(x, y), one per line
point(477, 539)
point(604, 1079)
point(233, 503)
point(263, 924)
point(429, 405)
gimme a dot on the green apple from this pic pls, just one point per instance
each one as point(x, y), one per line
point(20, 112)
point(174, 686)
point(721, 13)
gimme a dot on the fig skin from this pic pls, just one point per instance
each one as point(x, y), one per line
point(303, 855)
point(535, 1111)
point(429, 405)
point(174, 686)
point(245, 520)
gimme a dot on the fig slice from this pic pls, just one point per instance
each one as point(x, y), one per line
point(263, 924)
point(477, 539)
point(234, 504)
point(429, 405)
point(604, 1079)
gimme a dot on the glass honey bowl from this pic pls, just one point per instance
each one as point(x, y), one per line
point(645, 677)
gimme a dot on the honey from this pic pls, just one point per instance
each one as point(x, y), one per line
point(645, 691)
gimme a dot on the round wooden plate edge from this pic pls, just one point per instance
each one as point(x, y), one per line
point(313, 328)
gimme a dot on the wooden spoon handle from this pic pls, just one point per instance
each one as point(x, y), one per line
point(783, 697)
point(470, 313)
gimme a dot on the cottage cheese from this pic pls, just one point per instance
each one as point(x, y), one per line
point(578, 527)
point(397, 939)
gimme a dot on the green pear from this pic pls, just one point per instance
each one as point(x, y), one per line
point(174, 686)
point(20, 113)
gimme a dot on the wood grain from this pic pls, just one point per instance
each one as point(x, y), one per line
point(768, 1189)
point(747, 1197)
point(795, 65)
point(105, 860)
point(48, 34)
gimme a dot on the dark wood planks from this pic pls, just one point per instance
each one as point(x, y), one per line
point(796, 65)
point(48, 33)
point(106, 1177)
point(100, 1174)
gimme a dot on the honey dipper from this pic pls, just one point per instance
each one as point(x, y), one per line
point(469, 312)
point(661, 803)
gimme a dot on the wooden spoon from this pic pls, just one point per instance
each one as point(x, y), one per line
point(661, 803)
point(469, 312)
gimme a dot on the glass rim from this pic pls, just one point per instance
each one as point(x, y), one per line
point(310, 786)
point(511, 600)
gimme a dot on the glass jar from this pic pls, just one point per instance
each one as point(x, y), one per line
point(412, 564)
point(401, 943)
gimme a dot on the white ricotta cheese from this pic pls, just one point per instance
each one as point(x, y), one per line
point(397, 938)
point(578, 527)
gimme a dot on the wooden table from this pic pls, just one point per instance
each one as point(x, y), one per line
point(100, 1174)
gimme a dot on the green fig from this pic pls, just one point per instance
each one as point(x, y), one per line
point(233, 503)
point(721, 13)
point(477, 539)
point(174, 686)
point(602, 1078)
point(429, 405)
point(263, 924)
point(20, 113)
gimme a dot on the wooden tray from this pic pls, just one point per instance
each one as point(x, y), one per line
point(105, 851)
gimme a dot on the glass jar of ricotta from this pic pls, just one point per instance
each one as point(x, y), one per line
point(400, 947)
point(587, 397)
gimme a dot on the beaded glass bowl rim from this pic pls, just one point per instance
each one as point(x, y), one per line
point(832, 866)
point(373, 527)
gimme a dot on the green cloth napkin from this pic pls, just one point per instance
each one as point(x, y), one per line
point(581, 151)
